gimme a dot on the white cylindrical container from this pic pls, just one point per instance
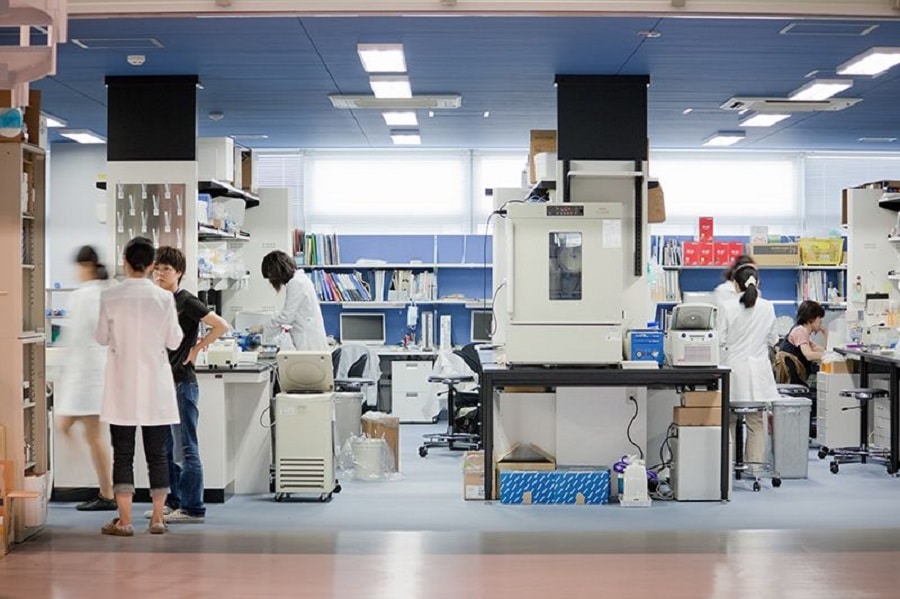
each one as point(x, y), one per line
point(368, 458)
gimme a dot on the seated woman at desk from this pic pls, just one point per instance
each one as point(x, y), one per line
point(802, 352)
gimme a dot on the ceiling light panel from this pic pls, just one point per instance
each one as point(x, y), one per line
point(382, 58)
point(406, 138)
point(763, 120)
point(82, 136)
point(446, 101)
point(400, 118)
point(820, 89)
point(873, 61)
point(724, 138)
point(54, 121)
point(390, 86)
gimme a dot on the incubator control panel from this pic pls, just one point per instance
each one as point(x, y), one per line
point(565, 210)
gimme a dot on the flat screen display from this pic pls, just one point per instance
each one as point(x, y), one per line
point(367, 329)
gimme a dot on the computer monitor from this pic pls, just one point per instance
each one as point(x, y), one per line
point(482, 326)
point(366, 329)
point(305, 371)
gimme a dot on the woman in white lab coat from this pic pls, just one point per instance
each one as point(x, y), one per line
point(138, 322)
point(726, 290)
point(301, 311)
point(746, 332)
point(79, 392)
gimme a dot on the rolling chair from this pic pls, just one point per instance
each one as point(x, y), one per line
point(463, 408)
point(862, 453)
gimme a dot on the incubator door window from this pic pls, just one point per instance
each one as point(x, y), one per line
point(565, 266)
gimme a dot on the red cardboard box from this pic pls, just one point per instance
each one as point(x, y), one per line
point(736, 249)
point(723, 253)
point(691, 253)
point(707, 253)
point(706, 228)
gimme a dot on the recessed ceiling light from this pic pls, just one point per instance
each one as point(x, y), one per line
point(724, 138)
point(390, 86)
point(406, 138)
point(82, 136)
point(54, 121)
point(486, 113)
point(873, 61)
point(400, 119)
point(820, 89)
point(382, 58)
point(431, 114)
point(763, 120)
point(687, 111)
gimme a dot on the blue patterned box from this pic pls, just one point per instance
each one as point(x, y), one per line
point(527, 486)
point(581, 486)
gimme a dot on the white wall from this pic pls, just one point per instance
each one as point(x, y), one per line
point(71, 214)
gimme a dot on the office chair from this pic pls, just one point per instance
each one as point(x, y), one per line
point(864, 452)
point(335, 361)
point(463, 408)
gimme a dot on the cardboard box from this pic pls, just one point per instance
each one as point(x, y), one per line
point(706, 228)
point(843, 367)
point(706, 253)
point(473, 475)
point(701, 399)
point(542, 140)
point(735, 250)
point(2, 443)
point(775, 254)
point(722, 253)
point(690, 253)
point(656, 203)
point(378, 425)
point(527, 487)
point(582, 487)
point(529, 458)
point(697, 416)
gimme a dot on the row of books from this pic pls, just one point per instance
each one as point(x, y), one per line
point(317, 248)
point(340, 287)
point(814, 285)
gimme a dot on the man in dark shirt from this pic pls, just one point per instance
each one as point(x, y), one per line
point(185, 500)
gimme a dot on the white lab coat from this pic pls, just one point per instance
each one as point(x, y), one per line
point(302, 313)
point(79, 391)
point(138, 322)
point(746, 334)
point(723, 293)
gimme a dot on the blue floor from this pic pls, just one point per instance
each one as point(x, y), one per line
point(430, 498)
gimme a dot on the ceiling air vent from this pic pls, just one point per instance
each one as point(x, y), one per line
point(783, 105)
point(441, 101)
point(125, 43)
point(837, 28)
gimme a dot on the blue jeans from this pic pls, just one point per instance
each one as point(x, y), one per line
point(186, 475)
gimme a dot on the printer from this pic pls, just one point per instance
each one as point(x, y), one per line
point(692, 339)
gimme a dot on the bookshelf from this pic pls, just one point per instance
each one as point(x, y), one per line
point(443, 274)
point(23, 413)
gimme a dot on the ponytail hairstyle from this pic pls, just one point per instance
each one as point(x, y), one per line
point(738, 262)
point(87, 256)
point(747, 278)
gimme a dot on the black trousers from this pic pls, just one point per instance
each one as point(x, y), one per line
point(154, 438)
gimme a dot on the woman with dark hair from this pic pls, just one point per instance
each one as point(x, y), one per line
point(746, 332)
point(79, 392)
point(799, 343)
point(726, 289)
point(301, 311)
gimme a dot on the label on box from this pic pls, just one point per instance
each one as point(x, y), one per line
point(474, 491)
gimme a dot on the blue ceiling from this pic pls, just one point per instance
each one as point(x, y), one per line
point(273, 75)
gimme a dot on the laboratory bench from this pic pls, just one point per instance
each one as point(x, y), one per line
point(496, 377)
point(871, 362)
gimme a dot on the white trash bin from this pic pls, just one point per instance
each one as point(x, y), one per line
point(347, 415)
point(790, 436)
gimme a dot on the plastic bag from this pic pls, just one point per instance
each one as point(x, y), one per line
point(363, 458)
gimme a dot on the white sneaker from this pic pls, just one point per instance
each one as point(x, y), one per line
point(166, 511)
point(182, 517)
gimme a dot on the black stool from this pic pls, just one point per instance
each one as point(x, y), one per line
point(450, 439)
point(862, 453)
point(740, 409)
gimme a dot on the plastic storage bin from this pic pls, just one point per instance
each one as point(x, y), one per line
point(790, 439)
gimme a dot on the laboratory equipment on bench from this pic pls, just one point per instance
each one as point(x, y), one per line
point(565, 280)
point(223, 353)
point(692, 339)
point(303, 426)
